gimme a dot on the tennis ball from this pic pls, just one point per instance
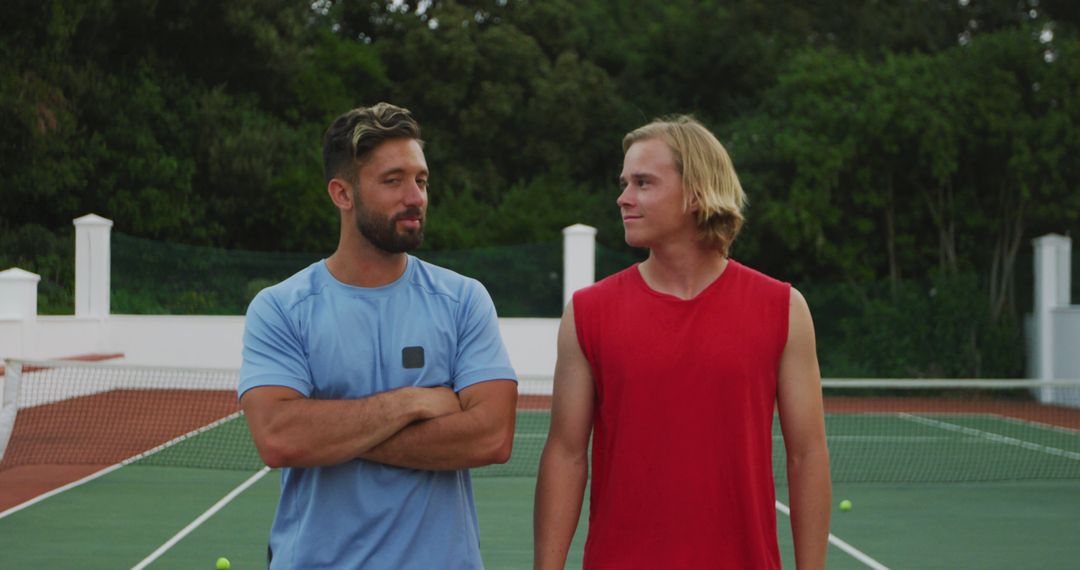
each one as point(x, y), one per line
point(222, 563)
point(845, 505)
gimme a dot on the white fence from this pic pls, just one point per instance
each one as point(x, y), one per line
point(207, 341)
point(215, 341)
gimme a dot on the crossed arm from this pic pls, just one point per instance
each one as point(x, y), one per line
point(419, 428)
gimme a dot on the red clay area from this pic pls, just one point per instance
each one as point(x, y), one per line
point(22, 483)
point(54, 444)
point(533, 402)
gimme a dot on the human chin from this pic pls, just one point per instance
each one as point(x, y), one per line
point(633, 238)
point(383, 233)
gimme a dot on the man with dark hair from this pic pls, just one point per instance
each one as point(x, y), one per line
point(374, 379)
point(674, 367)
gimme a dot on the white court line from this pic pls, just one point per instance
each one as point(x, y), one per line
point(1035, 424)
point(842, 545)
point(201, 519)
point(993, 436)
point(882, 438)
point(112, 468)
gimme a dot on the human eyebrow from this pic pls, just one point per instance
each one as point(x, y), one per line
point(392, 172)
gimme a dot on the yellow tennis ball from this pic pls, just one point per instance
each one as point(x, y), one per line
point(845, 505)
point(222, 563)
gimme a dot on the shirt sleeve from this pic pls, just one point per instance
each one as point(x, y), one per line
point(481, 355)
point(273, 353)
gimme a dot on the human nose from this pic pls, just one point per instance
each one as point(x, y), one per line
point(415, 195)
point(625, 199)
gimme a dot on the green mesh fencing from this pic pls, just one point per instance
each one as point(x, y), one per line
point(153, 277)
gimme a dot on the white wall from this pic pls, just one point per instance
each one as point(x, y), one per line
point(53, 337)
point(531, 344)
point(178, 340)
point(11, 338)
point(1066, 350)
point(214, 341)
point(70, 336)
point(1066, 323)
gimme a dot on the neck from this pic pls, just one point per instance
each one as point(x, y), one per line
point(358, 263)
point(682, 271)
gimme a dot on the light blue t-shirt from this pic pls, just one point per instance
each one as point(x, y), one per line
point(329, 340)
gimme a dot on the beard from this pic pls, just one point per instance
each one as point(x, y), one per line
point(382, 232)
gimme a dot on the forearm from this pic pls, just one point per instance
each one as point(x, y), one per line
point(560, 490)
point(811, 497)
point(471, 438)
point(304, 432)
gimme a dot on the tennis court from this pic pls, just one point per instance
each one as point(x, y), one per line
point(978, 479)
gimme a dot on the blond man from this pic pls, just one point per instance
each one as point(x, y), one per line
point(674, 366)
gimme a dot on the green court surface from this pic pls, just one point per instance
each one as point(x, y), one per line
point(1029, 517)
point(118, 520)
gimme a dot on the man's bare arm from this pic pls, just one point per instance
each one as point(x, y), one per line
point(293, 431)
point(803, 423)
point(564, 464)
point(480, 433)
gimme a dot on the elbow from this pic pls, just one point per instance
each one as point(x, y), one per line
point(277, 453)
point(815, 457)
point(502, 453)
point(498, 446)
point(273, 461)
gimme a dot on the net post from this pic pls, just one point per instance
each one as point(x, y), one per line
point(10, 402)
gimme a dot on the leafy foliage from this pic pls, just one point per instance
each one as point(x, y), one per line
point(888, 149)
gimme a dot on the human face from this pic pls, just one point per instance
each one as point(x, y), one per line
point(391, 197)
point(651, 202)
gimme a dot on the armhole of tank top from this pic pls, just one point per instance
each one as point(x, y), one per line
point(580, 332)
point(784, 308)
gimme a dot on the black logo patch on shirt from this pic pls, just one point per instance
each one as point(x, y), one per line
point(412, 357)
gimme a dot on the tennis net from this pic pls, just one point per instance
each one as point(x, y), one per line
point(71, 413)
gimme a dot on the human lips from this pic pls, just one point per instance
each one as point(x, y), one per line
point(410, 219)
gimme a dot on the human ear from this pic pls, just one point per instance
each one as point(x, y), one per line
point(341, 193)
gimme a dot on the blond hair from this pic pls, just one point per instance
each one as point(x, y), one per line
point(708, 176)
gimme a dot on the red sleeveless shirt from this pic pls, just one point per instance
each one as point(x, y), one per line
point(682, 435)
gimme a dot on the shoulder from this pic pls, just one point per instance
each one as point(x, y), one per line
point(754, 277)
point(446, 283)
point(753, 284)
point(286, 295)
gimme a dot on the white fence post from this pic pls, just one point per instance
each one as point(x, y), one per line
point(579, 259)
point(18, 295)
point(1052, 283)
point(92, 266)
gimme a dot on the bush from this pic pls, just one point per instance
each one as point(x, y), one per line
point(940, 328)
